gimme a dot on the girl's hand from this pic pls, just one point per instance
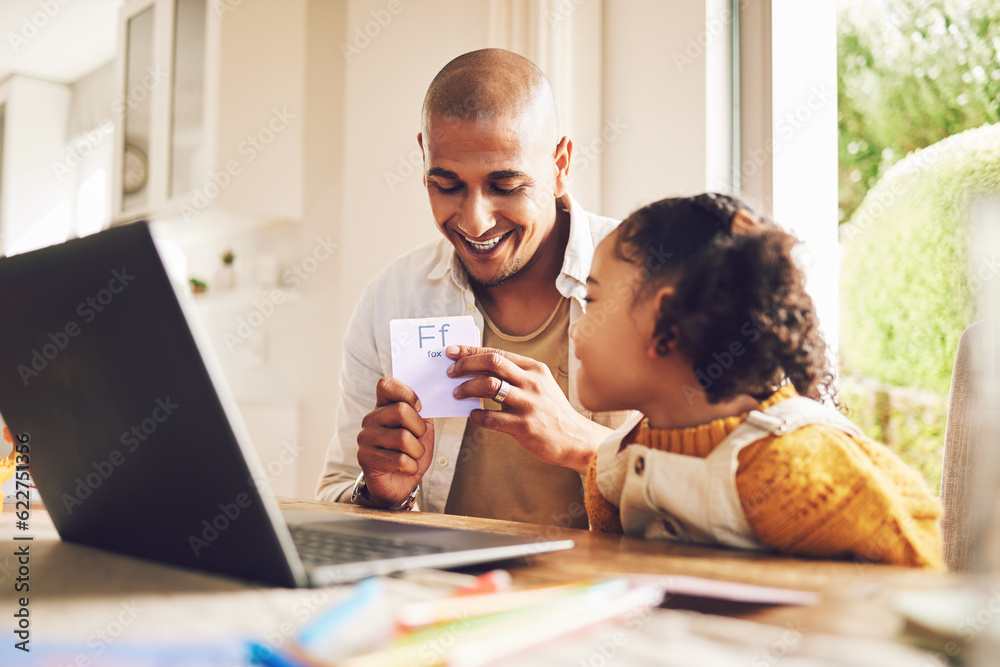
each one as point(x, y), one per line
point(535, 412)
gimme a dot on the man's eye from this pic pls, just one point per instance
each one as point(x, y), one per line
point(441, 188)
point(502, 191)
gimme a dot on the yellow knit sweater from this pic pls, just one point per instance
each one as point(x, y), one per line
point(813, 492)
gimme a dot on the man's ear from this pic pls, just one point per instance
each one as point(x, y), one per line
point(423, 157)
point(562, 156)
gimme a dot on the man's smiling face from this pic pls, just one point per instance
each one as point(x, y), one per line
point(492, 186)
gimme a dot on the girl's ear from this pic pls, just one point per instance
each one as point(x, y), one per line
point(659, 345)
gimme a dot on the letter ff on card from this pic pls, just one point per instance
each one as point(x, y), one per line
point(419, 361)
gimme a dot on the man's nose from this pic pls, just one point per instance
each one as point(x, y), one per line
point(477, 215)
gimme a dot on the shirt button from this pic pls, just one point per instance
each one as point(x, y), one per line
point(640, 465)
point(443, 461)
point(470, 308)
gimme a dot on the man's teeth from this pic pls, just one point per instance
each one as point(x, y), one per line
point(485, 246)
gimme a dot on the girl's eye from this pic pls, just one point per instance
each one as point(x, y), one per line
point(588, 299)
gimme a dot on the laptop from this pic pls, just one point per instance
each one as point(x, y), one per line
point(136, 444)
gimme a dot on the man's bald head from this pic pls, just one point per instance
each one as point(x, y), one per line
point(492, 84)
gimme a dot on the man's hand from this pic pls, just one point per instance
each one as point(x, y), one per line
point(395, 445)
point(535, 412)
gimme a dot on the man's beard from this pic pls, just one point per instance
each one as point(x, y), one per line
point(506, 273)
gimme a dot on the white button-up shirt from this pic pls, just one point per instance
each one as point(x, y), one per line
point(429, 282)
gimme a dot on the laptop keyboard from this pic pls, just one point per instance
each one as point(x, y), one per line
point(325, 547)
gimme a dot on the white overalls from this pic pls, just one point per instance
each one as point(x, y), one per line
point(662, 495)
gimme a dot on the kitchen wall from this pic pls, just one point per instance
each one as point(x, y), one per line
point(643, 87)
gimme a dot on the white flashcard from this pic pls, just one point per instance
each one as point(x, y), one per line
point(419, 361)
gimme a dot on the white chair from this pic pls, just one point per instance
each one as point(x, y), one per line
point(965, 490)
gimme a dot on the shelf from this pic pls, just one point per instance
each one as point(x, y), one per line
point(242, 298)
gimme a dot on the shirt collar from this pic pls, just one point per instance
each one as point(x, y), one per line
point(580, 247)
point(448, 262)
point(576, 261)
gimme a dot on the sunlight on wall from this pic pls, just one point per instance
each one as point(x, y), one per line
point(91, 203)
point(54, 227)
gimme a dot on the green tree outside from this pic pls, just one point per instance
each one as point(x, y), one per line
point(911, 72)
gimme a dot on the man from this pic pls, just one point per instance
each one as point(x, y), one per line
point(515, 255)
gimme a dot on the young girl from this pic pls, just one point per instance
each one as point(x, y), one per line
point(698, 318)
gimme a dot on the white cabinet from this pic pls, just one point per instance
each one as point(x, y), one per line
point(142, 91)
point(211, 99)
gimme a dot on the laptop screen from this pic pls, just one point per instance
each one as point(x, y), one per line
point(132, 448)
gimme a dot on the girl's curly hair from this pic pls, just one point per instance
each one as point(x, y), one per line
point(740, 312)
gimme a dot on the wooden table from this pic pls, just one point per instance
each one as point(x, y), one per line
point(75, 590)
point(855, 595)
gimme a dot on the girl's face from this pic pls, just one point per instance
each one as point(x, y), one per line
point(614, 338)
